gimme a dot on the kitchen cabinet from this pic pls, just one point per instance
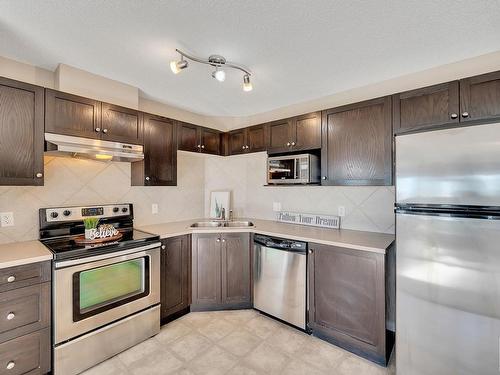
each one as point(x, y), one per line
point(433, 106)
point(357, 144)
point(221, 271)
point(175, 285)
point(480, 97)
point(77, 116)
point(195, 138)
point(348, 291)
point(299, 133)
point(159, 167)
point(25, 332)
point(251, 139)
point(120, 124)
point(21, 129)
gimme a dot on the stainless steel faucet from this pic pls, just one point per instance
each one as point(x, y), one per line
point(230, 215)
point(223, 214)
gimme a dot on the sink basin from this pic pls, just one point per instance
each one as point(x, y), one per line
point(219, 224)
point(238, 224)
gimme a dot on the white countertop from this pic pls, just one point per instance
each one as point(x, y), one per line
point(19, 253)
point(352, 239)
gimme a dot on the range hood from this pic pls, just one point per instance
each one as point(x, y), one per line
point(95, 149)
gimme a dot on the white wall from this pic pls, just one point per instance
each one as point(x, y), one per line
point(367, 208)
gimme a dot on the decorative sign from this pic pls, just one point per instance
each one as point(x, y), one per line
point(324, 221)
point(103, 231)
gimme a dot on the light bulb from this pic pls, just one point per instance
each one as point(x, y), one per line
point(247, 85)
point(219, 75)
point(177, 66)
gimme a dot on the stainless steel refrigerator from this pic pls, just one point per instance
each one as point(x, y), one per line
point(448, 252)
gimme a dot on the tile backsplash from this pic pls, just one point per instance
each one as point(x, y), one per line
point(369, 208)
point(80, 182)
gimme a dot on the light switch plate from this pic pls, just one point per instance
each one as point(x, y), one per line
point(341, 211)
point(6, 219)
point(154, 208)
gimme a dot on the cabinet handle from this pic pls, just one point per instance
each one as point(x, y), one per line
point(223, 240)
point(104, 131)
point(311, 251)
point(147, 178)
point(11, 316)
point(218, 240)
point(323, 178)
point(39, 175)
point(11, 279)
point(163, 247)
point(199, 146)
point(202, 146)
point(465, 114)
point(11, 365)
point(243, 147)
point(248, 147)
point(98, 129)
point(293, 143)
point(454, 116)
point(288, 144)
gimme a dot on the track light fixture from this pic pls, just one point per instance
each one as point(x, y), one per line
point(216, 61)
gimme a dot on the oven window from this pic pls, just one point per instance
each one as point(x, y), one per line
point(282, 169)
point(103, 288)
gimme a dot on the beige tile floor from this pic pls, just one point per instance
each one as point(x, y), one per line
point(239, 342)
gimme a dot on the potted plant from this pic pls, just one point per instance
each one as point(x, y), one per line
point(90, 224)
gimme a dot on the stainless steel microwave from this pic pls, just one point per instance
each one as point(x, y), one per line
point(293, 169)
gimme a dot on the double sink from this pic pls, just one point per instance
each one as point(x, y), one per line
point(222, 224)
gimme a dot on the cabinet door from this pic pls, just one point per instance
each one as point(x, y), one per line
point(206, 274)
point(427, 107)
point(121, 124)
point(188, 137)
point(21, 128)
point(480, 97)
point(159, 167)
point(256, 138)
point(236, 269)
point(175, 275)
point(237, 141)
point(357, 144)
point(306, 131)
point(210, 141)
point(279, 136)
point(69, 114)
point(347, 298)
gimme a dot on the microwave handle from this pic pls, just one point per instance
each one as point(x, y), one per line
point(296, 169)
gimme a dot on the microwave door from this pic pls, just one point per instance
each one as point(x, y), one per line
point(281, 171)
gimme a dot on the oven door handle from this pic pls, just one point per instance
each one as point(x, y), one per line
point(74, 262)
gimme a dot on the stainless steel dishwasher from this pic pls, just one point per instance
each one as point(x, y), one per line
point(279, 276)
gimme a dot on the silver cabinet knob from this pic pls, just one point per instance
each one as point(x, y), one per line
point(223, 240)
point(453, 116)
point(288, 144)
point(11, 316)
point(97, 129)
point(323, 178)
point(199, 146)
point(243, 147)
point(202, 146)
point(465, 114)
point(147, 178)
point(310, 251)
point(104, 130)
point(163, 247)
point(39, 175)
point(293, 143)
point(11, 279)
point(247, 147)
point(10, 365)
point(218, 240)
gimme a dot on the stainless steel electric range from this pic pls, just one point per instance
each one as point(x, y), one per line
point(105, 296)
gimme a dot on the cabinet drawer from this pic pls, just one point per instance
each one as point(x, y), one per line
point(24, 310)
point(25, 275)
point(29, 354)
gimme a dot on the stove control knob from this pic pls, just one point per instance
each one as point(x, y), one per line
point(116, 209)
point(124, 209)
point(54, 215)
point(66, 212)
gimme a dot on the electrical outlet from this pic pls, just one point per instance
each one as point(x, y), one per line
point(341, 211)
point(276, 206)
point(7, 219)
point(154, 208)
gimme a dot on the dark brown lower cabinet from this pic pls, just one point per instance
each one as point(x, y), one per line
point(351, 299)
point(221, 271)
point(25, 346)
point(175, 283)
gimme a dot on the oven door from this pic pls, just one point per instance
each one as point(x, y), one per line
point(92, 292)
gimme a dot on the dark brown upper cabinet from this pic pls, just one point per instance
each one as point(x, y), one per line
point(480, 97)
point(175, 273)
point(121, 124)
point(357, 144)
point(70, 114)
point(195, 138)
point(251, 139)
point(432, 106)
point(159, 167)
point(21, 133)
point(298, 133)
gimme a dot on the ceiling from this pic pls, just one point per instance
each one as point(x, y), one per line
point(298, 50)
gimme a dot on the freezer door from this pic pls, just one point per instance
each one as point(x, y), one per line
point(448, 295)
point(459, 166)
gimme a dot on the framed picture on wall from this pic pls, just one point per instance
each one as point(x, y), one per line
point(219, 204)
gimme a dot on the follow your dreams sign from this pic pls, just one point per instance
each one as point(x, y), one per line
point(324, 221)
